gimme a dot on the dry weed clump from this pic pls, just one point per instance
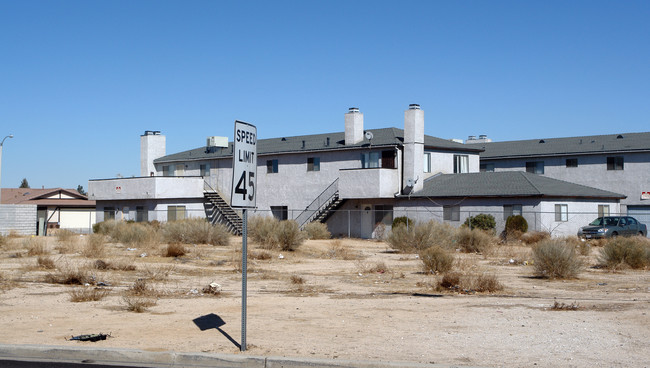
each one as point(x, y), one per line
point(261, 255)
point(174, 250)
point(474, 240)
point(339, 251)
point(297, 280)
point(469, 283)
point(436, 260)
point(95, 246)
point(554, 259)
point(115, 265)
point(67, 241)
point(138, 304)
point(4, 240)
point(35, 246)
point(45, 262)
point(270, 233)
point(158, 273)
point(317, 230)
point(195, 231)
point(565, 307)
point(420, 236)
point(130, 233)
point(141, 287)
point(622, 252)
point(88, 294)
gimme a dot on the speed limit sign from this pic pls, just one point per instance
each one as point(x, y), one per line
point(244, 166)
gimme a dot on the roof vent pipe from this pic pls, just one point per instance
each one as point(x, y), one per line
point(482, 136)
point(414, 107)
point(471, 138)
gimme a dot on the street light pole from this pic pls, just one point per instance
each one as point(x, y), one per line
point(2, 144)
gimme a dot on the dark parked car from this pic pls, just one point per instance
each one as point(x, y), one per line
point(611, 226)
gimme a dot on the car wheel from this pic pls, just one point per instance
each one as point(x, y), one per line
point(614, 234)
point(641, 233)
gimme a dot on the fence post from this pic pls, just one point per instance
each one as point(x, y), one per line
point(348, 224)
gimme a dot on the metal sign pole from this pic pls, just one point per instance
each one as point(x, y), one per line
point(244, 268)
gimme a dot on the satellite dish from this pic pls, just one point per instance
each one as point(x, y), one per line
point(369, 136)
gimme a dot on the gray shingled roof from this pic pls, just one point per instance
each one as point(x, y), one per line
point(624, 142)
point(507, 184)
point(318, 142)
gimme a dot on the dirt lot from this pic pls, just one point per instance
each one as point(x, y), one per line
point(357, 300)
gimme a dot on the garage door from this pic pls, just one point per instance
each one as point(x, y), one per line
point(641, 213)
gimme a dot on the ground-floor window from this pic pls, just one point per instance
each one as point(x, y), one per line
point(561, 212)
point(384, 214)
point(141, 214)
point(175, 213)
point(603, 210)
point(109, 213)
point(451, 213)
point(280, 212)
point(511, 210)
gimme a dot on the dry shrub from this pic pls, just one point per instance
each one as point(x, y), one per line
point(138, 304)
point(288, 235)
point(141, 287)
point(70, 275)
point(474, 240)
point(534, 237)
point(130, 233)
point(118, 265)
point(261, 255)
point(195, 231)
point(565, 307)
point(273, 234)
point(436, 260)
point(421, 236)
point(4, 240)
point(45, 262)
point(236, 262)
point(622, 252)
point(338, 251)
point(260, 228)
point(555, 259)
point(297, 280)
point(67, 240)
point(174, 250)
point(35, 246)
point(88, 294)
point(470, 282)
point(95, 246)
point(317, 230)
point(158, 273)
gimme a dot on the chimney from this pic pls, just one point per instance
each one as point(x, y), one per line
point(413, 149)
point(353, 126)
point(152, 146)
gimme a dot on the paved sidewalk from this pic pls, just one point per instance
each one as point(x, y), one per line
point(139, 358)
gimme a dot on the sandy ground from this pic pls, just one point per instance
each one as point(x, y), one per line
point(343, 310)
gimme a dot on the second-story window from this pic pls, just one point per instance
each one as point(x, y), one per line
point(272, 166)
point(180, 170)
point(427, 162)
point(388, 159)
point(535, 167)
point(204, 169)
point(571, 162)
point(166, 171)
point(615, 163)
point(369, 160)
point(313, 164)
point(461, 164)
point(486, 167)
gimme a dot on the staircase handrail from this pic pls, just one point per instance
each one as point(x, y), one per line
point(321, 200)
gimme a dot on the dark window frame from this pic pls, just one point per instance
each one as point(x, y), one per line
point(535, 167)
point(615, 163)
point(272, 166)
point(280, 212)
point(571, 162)
point(451, 213)
point(313, 163)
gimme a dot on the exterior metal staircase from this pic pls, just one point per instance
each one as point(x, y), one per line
point(322, 207)
point(218, 210)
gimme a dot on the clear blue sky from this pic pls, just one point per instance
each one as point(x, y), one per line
point(80, 81)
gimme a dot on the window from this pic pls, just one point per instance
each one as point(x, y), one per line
point(603, 210)
point(427, 162)
point(141, 214)
point(313, 164)
point(461, 164)
point(369, 160)
point(561, 212)
point(384, 214)
point(126, 214)
point(180, 170)
point(486, 168)
point(388, 159)
point(535, 167)
point(271, 166)
point(166, 171)
point(571, 162)
point(280, 212)
point(109, 213)
point(511, 210)
point(204, 169)
point(175, 213)
point(615, 163)
point(451, 213)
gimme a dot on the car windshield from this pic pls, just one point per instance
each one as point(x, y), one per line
point(605, 221)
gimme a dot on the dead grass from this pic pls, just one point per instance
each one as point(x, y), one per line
point(468, 283)
point(339, 251)
point(138, 304)
point(68, 274)
point(174, 250)
point(95, 246)
point(436, 260)
point(261, 255)
point(565, 307)
point(317, 230)
point(297, 280)
point(142, 288)
point(474, 240)
point(114, 265)
point(555, 259)
point(157, 273)
point(88, 294)
point(534, 237)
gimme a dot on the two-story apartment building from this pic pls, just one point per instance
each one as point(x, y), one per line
point(615, 162)
point(352, 180)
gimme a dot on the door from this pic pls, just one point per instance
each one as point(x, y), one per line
point(640, 213)
point(366, 221)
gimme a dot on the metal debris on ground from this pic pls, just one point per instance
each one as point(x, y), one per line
point(90, 337)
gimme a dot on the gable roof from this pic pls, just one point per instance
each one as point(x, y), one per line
point(594, 144)
point(507, 184)
point(45, 197)
point(319, 142)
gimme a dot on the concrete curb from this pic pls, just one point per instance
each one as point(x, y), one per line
point(140, 358)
